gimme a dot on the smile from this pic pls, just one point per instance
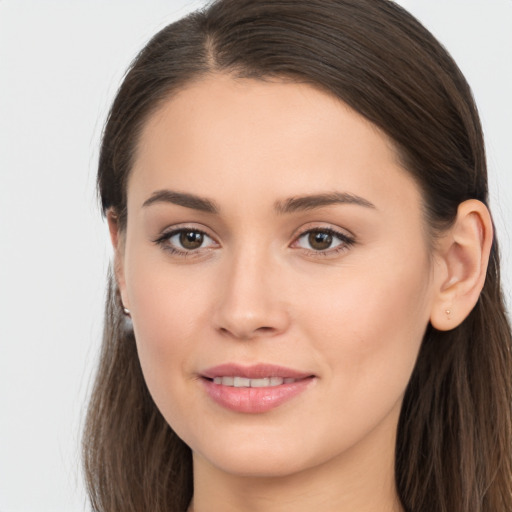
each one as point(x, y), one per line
point(244, 382)
point(254, 389)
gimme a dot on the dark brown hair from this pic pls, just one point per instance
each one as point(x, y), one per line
point(453, 450)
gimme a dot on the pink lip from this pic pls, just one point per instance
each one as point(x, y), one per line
point(254, 400)
point(256, 371)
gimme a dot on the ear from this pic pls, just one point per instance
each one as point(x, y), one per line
point(118, 243)
point(462, 258)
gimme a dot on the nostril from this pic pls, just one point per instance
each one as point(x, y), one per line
point(264, 329)
point(249, 334)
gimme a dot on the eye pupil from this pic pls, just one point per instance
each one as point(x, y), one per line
point(191, 239)
point(320, 240)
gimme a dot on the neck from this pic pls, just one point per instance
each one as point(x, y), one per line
point(361, 479)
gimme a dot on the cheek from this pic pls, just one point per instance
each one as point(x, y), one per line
point(165, 301)
point(369, 323)
point(167, 312)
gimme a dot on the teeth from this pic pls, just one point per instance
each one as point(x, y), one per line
point(260, 383)
point(243, 382)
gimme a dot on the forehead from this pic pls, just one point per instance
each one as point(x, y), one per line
point(234, 138)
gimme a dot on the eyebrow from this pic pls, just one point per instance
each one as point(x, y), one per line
point(293, 204)
point(182, 199)
point(311, 202)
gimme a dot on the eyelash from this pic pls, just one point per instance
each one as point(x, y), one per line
point(345, 242)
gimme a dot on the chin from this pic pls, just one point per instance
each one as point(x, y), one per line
point(256, 463)
point(261, 454)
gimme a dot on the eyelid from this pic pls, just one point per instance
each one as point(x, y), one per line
point(322, 226)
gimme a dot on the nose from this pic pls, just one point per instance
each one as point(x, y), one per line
point(252, 300)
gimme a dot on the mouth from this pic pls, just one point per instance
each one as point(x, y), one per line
point(254, 372)
point(244, 382)
point(254, 389)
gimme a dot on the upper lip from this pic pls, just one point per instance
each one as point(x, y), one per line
point(256, 371)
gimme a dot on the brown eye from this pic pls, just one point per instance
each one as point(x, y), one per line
point(191, 240)
point(324, 241)
point(320, 240)
point(186, 242)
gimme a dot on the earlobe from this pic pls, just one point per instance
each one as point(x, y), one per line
point(117, 239)
point(463, 255)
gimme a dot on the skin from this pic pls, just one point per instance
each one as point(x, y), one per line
point(257, 291)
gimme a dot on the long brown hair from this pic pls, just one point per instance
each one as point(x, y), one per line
point(454, 448)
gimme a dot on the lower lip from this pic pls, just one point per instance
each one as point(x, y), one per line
point(255, 400)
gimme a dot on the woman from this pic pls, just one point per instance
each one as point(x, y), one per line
point(305, 309)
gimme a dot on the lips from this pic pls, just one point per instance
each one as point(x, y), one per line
point(254, 389)
point(258, 371)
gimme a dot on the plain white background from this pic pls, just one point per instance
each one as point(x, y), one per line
point(60, 65)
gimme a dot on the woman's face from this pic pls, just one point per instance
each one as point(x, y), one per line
point(277, 270)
